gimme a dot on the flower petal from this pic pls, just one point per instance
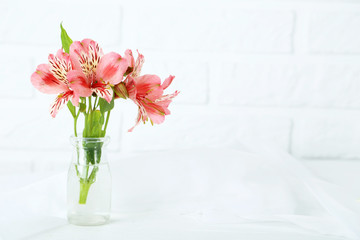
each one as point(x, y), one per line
point(155, 116)
point(141, 116)
point(167, 97)
point(167, 82)
point(85, 55)
point(147, 82)
point(60, 101)
point(105, 92)
point(112, 68)
point(138, 65)
point(60, 65)
point(155, 111)
point(63, 56)
point(131, 87)
point(77, 82)
point(149, 86)
point(130, 59)
point(95, 52)
point(138, 119)
point(44, 81)
point(78, 55)
point(165, 101)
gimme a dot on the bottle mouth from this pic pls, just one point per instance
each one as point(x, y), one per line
point(76, 140)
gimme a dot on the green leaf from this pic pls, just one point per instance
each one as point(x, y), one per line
point(65, 39)
point(97, 122)
point(94, 122)
point(105, 106)
point(72, 109)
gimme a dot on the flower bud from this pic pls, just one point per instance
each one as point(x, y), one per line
point(82, 107)
point(121, 91)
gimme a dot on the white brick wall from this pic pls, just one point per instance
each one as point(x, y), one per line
point(285, 72)
point(210, 29)
point(32, 24)
point(191, 76)
point(315, 85)
point(335, 32)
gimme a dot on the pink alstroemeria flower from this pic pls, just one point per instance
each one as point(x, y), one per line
point(147, 92)
point(97, 70)
point(52, 79)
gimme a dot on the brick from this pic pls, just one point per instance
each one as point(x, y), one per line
point(49, 161)
point(26, 162)
point(16, 77)
point(34, 129)
point(191, 78)
point(30, 24)
point(195, 130)
point(114, 129)
point(326, 137)
point(14, 162)
point(29, 126)
point(315, 85)
point(334, 32)
point(210, 29)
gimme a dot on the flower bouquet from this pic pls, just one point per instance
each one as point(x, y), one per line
point(88, 82)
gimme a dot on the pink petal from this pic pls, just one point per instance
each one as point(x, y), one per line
point(141, 116)
point(63, 56)
point(78, 83)
point(104, 92)
point(78, 55)
point(130, 58)
point(145, 83)
point(165, 101)
point(85, 55)
point(155, 93)
point(167, 82)
point(91, 45)
point(60, 101)
point(131, 87)
point(149, 86)
point(155, 113)
point(148, 80)
point(60, 65)
point(138, 65)
point(112, 68)
point(75, 100)
point(167, 98)
point(138, 119)
point(95, 53)
point(44, 81)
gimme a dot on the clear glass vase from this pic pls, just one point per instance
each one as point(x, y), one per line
point(89, 183)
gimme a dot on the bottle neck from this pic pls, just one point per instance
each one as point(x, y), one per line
point(89, 151)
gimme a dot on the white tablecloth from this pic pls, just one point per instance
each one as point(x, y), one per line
point(231, 192)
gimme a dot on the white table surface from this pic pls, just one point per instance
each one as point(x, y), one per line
point(154, 225)
point(36, 208)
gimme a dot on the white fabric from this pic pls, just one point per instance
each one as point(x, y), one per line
point(206, 193)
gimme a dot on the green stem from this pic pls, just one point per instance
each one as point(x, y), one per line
point(107, 120)
point(95, 103)
point(84, 190)
point(75, 123)
point(85, 184)
point(89, 105)
point(87, 169)
point(88, 120)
